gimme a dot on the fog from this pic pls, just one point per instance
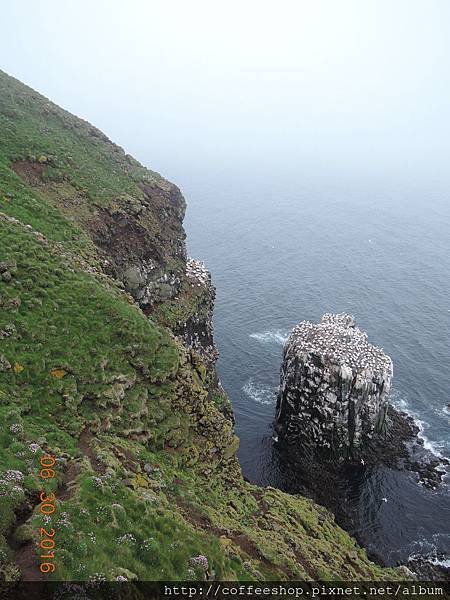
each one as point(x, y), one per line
point(325, 82)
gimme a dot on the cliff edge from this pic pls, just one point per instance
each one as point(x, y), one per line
point(107, 364)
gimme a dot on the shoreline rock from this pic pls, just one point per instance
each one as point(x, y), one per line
point(427, 568)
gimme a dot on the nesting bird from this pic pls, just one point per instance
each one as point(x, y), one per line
point(337, 340)
point(334, 389)
point(197, 272)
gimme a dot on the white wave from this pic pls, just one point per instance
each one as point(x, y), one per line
point(445, 562)
point(430, 556)
point(274, 336)
point(433, 446)
point(431, 550)
point(260, 392)
point(402, 404)
point(400, 401)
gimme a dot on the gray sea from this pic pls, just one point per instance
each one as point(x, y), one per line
point(285, 245)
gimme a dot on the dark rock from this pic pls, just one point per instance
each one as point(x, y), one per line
point(143, 242)
point(333, 411)
point(430, 568)
point(334, 388)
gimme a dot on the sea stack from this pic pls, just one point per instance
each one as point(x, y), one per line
point(334, 389)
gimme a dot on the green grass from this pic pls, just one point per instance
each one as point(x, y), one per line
point(177, 311)
point(72, 150)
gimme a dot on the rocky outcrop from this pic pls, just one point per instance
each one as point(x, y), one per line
point(139, 238)
point(334, 389)
point(197, 331)
point(143, 242)
point(430, 568)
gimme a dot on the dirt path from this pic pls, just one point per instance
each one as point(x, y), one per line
point(25, 554)
point(84, 443)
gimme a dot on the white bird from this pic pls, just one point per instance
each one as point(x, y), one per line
point(384, 499)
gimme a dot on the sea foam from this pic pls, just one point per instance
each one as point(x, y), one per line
point(434, 446)
point(260, 392)
point(274, 336)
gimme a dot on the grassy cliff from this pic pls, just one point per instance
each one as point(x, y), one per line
point(146, 478)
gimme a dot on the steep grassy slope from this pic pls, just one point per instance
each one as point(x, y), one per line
point(109, 207)
point(146, 478)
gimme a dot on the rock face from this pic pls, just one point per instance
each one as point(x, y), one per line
point(197, 332)
point(143, 242)
point(139, 238)
point(334, 389)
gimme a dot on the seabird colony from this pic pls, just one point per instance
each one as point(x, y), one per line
point(334, 388)
point(337, 340)
point(197, 332)
point(196, 270)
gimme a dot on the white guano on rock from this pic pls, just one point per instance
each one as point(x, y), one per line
point(334, 389)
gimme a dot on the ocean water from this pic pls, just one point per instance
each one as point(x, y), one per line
point(285, 245)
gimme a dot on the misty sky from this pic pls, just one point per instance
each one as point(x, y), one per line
point(346, 81)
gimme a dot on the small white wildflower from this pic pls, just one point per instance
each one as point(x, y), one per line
point(127, 538)
point(149, 497)
point(34, 447)
point(12, 475)
point(121, 578)
point(64, 520)
point(147, 544)
point(97, 578)
point(16, 428)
